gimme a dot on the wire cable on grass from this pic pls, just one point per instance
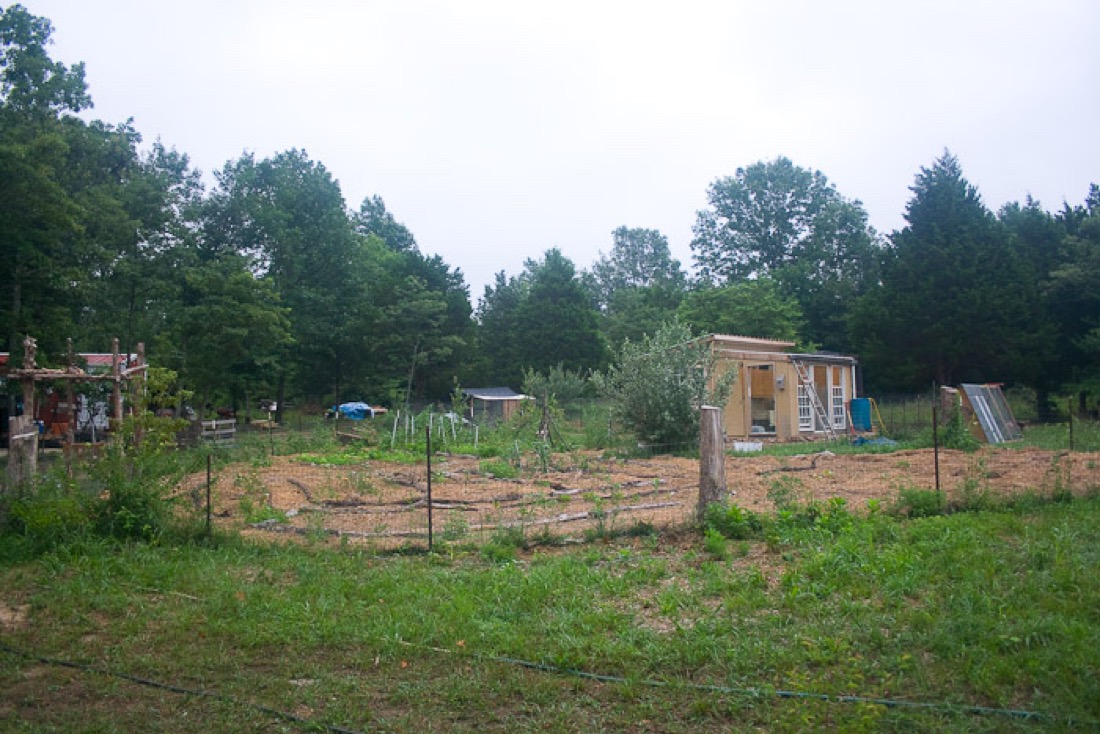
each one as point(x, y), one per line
point(778, 693)
point(197, 692)
point(558, 670)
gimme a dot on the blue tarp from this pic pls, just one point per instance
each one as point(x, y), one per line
point(356, 411)
point(880, 441)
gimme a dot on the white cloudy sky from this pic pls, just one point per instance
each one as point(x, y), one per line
point(496, 129)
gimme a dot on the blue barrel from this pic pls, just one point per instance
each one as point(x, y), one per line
point(861, 414)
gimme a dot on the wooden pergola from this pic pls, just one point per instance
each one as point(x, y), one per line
point(23, 430)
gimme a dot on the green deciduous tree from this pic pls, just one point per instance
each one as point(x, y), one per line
point(639, 258)
point(30, 81)
point(226, 333)
point(374, 219)
point(779, 220)
point(637, 285)
point(38, 216)
point(754, 308)
point(286, 215)
point(634, 312)
point(417, 332)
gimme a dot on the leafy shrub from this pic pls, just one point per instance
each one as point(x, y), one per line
point(596, 422)
point(732, 521)
point(640, 529)
point(504, 543)
point(953, 432)
point(657, 385)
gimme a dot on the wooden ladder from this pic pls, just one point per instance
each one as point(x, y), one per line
point(805, 378)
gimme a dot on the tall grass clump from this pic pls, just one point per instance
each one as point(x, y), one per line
point(126, 494)
point(1055, 436)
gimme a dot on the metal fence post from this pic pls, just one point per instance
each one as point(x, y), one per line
point(936, 443)
point(1069, 411)
point(208, 530)
point(428, 435)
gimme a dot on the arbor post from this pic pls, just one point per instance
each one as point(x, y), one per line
point(712, 459)
point(22, 451)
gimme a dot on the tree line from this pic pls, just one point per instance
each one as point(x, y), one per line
point(266, 284)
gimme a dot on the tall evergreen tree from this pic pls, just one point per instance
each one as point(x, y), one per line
point(540, 319)
point(499, 360)
point(956, 303)
point(556, 323)
point(1040, 241)
point(1073, 293)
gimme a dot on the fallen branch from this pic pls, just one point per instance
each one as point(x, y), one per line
point(811, 467)
point(302, 486)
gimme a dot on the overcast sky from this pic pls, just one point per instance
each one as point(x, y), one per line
point(496, 130)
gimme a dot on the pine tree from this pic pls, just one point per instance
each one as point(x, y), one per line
point(955, 303)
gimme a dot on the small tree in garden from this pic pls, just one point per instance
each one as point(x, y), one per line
point(657, 385)
point(551, 390)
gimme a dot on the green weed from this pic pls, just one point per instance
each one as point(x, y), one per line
point(916, 502)
point(732, 521)
point(499, 469)
point(716, 544)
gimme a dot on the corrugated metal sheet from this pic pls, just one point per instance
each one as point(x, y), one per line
point(992, 411)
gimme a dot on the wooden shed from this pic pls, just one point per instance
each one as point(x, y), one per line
point(782, 394)
point(492, 403)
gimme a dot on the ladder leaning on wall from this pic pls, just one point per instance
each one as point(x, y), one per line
point(806, 380)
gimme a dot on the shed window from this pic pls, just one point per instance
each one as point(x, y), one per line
point(805, 410)
point(839, 417)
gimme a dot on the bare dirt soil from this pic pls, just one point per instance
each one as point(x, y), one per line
point(385, 504)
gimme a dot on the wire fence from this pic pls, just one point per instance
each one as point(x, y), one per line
point(370, 483)
point(389, 498)
point(380, 492)
point(904, 415)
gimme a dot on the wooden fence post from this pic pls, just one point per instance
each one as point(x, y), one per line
point(712, 459)
point(22, 451)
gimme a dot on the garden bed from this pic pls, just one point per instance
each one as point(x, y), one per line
point(584, 494)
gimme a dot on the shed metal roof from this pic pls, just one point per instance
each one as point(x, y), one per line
point(494, 393)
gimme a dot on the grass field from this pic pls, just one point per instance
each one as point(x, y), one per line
point(116, 615)
point(977, 621)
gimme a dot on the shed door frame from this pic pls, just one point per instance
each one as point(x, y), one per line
point(760, 415)
point(833, 391)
